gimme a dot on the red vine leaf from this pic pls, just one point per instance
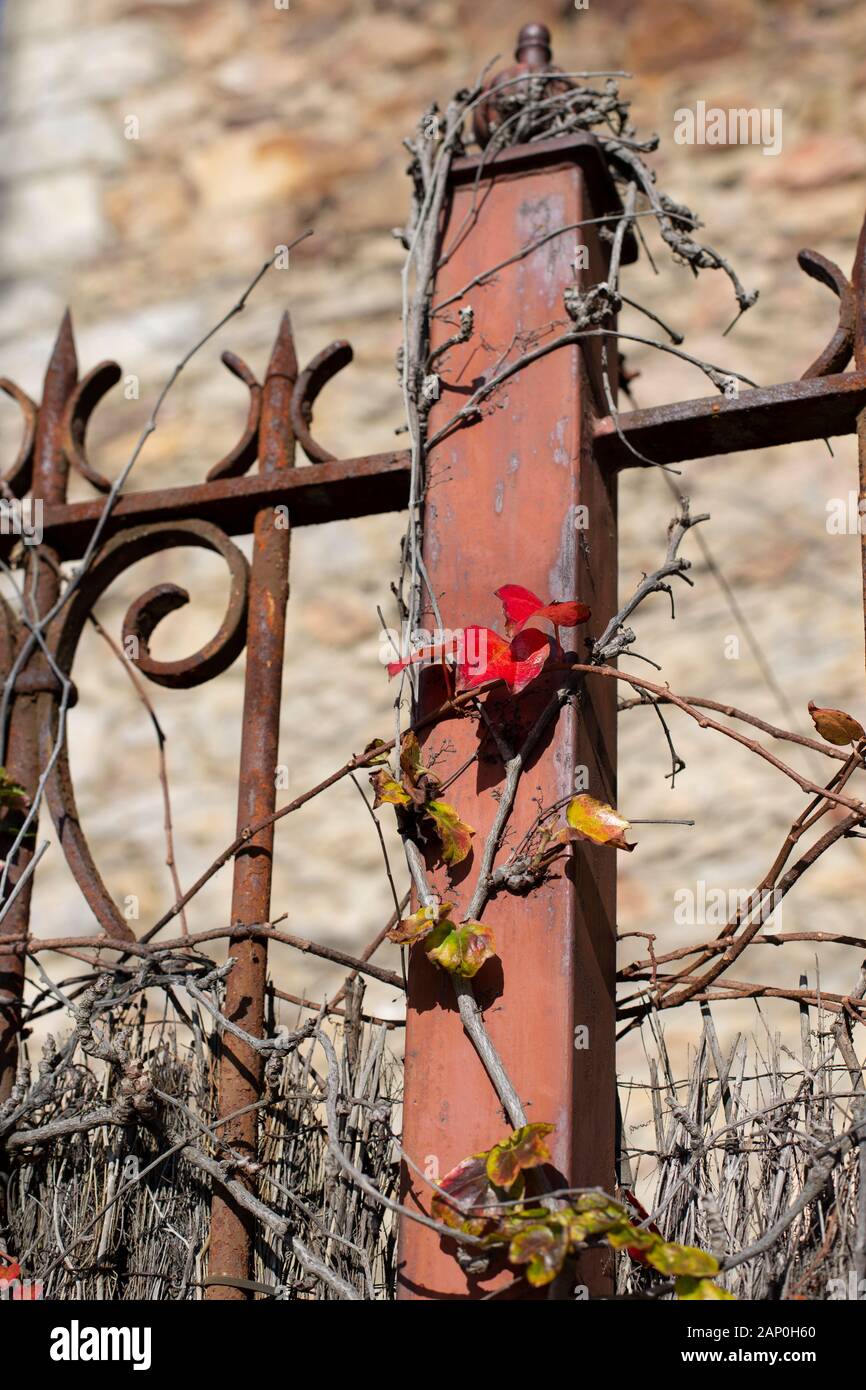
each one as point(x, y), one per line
point(487, 656)
point(438, 651)
point(835, 725)
point(465, 1197)
point(519, 605)
point(10, 1270)
point(590, 819)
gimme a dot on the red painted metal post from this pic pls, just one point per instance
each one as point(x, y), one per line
point(240, 1069)
point(518, 498)
point(42, 583)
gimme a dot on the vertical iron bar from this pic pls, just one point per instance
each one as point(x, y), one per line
point(42, 586)
point(858, 279)
point(240, 1066)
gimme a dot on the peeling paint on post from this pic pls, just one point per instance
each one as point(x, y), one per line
point(517, 497)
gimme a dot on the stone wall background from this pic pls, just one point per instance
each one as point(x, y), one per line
point(255, 122)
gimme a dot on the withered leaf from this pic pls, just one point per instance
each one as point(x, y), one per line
point(835, 725)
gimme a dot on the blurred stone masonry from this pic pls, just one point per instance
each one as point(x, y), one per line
point(152, 154)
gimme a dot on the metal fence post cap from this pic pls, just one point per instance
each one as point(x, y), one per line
point(533, 45)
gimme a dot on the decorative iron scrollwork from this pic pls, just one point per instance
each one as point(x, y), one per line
point(20, 475)
point(123, 550)
point(315, 375)
point(244, 454)
point(837, 353)
point(98, 382)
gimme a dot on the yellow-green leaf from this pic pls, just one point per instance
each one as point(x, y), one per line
point(630, 1237)
point(681, 1259)
point(704, 1289)
point(380, 757)
point(542, 1249)
point(590, 819)
point(597, 1223)
point(420, 924)
point(454, 834)
point(388, 790)
point(525, 1148)
point(460, 950)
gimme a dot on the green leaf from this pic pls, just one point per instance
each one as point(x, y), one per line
point(455, 835)
point(525, 1148)
point(542, 1249)
point(688, 1288)
point(460, 950)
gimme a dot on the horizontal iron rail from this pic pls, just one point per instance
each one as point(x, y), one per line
point(789, 413)
point(318, 493)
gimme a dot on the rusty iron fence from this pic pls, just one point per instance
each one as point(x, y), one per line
point(498, 478)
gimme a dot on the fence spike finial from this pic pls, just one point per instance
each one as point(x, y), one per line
point(284, 361)
point(64, 358)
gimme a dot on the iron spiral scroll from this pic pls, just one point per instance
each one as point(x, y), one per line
point(144, 613)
